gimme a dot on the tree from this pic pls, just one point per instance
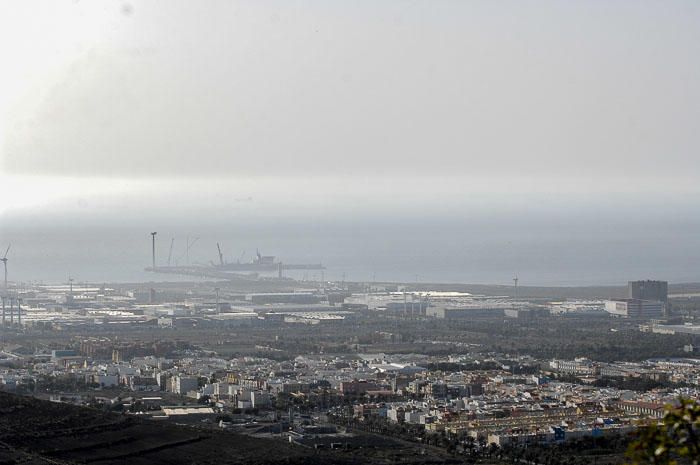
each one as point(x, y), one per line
point(676, 437)
point(137, 406)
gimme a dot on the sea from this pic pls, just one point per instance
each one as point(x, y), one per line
point(540, 247)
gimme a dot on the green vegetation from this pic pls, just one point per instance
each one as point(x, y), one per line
point(675, 440)
point(606, 450)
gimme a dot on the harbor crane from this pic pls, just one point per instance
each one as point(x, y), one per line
point(170, 254)
point(221, 256)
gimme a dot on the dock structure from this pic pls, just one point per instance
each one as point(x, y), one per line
point(261, 264)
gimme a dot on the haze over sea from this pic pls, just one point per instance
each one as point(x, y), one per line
point(445, 233)
point(396, 141)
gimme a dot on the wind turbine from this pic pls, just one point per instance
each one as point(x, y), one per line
point(4, 262)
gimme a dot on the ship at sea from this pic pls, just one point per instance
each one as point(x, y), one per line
point(264, 263)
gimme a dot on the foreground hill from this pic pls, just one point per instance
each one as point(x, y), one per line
point(34, 431)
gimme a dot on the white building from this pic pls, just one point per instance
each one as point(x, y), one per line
point(184, 384)
point(634, 308)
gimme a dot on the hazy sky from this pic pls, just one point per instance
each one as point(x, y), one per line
point(516, 118)
point(293, 88)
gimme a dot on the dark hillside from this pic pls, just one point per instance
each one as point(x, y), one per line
point(37, 431)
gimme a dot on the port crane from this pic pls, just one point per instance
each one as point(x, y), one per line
point(221, 256)
point(170, 254)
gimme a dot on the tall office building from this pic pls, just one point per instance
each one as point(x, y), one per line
point(648, 290)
